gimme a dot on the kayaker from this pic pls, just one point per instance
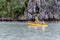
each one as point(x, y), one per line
point(36, 20)
point(43, 23)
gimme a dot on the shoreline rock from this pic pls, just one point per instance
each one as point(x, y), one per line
point(25, 20)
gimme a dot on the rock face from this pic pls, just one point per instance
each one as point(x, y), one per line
point(46, 9)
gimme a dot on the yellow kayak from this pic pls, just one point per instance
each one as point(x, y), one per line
point(39, 25)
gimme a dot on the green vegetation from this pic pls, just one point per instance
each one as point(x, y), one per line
point(12, 8)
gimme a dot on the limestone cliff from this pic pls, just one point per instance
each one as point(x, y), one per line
point(47, 9)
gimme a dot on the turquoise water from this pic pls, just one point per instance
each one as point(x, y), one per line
point(20, 31)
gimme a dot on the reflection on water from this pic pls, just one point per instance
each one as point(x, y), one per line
point(20, 31)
